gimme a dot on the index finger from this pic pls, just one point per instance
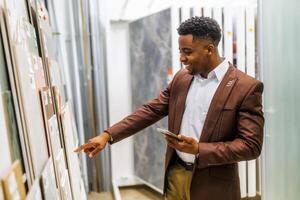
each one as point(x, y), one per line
point(83, 146)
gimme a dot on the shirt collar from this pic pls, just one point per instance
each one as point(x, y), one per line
point(221, 69)
point(219, 72)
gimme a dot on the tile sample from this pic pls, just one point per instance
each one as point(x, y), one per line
point(13, 185)
point(32, 109)
point(11, 124)
point(72, 158)
point(48, 182)
point(150, 57)
point(34, 192)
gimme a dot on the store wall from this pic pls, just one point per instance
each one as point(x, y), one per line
point(279, 54)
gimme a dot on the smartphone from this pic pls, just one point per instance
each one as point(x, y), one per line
point(166, 132)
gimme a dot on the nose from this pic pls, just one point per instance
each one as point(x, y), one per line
point(183, 58)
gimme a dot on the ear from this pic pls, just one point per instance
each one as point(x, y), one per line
point(210, 49)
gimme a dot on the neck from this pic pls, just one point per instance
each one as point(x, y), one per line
point(212, 65)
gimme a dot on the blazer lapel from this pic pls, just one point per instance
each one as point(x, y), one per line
point(180, 102)
point(218, 102)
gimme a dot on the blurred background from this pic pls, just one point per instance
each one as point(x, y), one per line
point(100, 60)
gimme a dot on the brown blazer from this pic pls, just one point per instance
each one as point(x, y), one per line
point(232, 132)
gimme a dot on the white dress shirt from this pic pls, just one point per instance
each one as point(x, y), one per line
point(197, 103)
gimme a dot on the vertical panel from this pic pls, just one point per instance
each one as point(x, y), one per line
point(175, 22)
point(240, 38)
point(228, 34)
point(250, 39)
point(197, 11)
point(207, 11)
point(218, 16)
point(251, 178)
point(100, 88)
point(150, 57)
point(4, 149)
point(185, 13)
point(241, 64)
point(243, 178)
point(280, 41)
point(250, 67)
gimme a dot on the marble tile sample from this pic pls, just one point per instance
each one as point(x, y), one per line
point(3, 70)
point(14, 139)
point(32, 109)
point(35, 192)
point(72, 158)
point(48, 182)
point(150, 58)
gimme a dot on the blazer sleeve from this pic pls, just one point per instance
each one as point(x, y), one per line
point(247, 144)
point(143, 117)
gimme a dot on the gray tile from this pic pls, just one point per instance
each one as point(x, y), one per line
point(150, 55)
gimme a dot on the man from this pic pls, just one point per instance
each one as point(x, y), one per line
point(215, 109)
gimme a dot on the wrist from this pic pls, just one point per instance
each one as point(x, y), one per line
point(108, 137)
point(196, 152)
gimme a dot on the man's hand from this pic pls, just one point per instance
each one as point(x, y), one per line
point(94, 145)
point(184, 144)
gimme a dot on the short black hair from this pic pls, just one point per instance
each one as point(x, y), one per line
point(201, 28)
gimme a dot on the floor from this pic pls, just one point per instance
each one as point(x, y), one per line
point(137, 193)
point(129, 193)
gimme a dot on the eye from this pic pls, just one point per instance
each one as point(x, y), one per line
point(185, 51)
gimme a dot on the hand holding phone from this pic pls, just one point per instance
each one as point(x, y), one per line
point(166, 132)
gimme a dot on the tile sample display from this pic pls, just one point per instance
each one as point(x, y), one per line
point(24, 47)
point(34, 192)
point(72, 158)
point(11, 124)
point(57, 79)
point(48, 183)
point(65, 187)
point(15, 11)
point(3, 70)
point(60, 164)
point(13, 185)
point(150, 57)
point(32, 110)
point(46, 101)
point(10, 63)
point(52, 128)
point(54, 135)
point(5, 151)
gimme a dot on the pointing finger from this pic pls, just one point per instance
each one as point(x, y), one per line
point(83, 146)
